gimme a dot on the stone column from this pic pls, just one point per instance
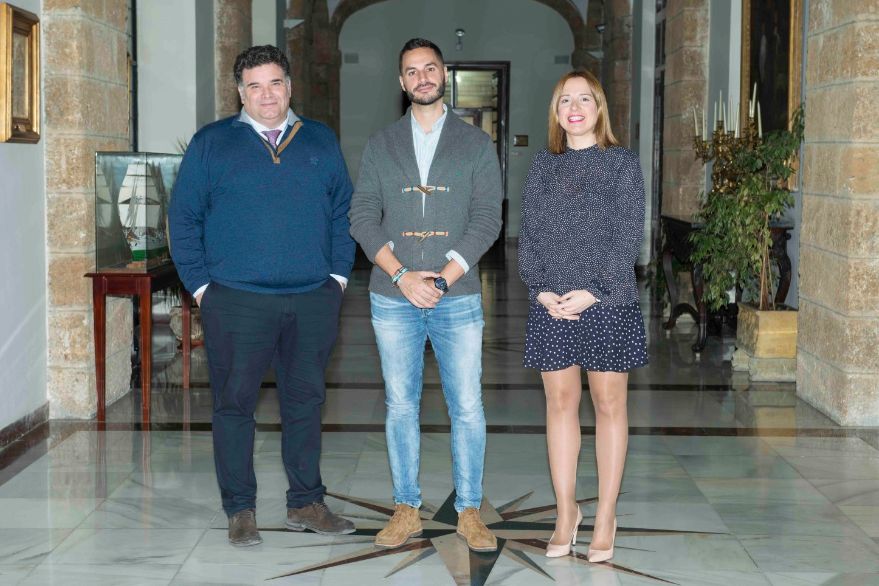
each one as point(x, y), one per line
point(838, 341)
point(617, 78)
point(298, 50)
point(315, 61)
point(587, 39)
point(86, 94)
point(233, 32)
point(686, 85)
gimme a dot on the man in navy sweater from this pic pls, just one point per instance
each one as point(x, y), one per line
point(259, 234)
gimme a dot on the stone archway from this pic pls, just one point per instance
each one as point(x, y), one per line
point(315, 59)
point(586, 38)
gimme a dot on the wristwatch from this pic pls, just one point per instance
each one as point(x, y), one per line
point(440, 283)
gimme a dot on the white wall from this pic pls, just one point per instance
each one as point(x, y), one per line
point(175, 72)
point(265, 22)
point(23, 263)
point(524, 32)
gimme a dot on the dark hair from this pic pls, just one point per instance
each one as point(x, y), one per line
point(260, 55)
point(413, 44)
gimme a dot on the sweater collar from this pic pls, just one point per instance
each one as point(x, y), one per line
point(291, 119)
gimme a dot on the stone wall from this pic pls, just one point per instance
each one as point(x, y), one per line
point(86, 96)
point(617, 66)
point(686, 85)
point(233, 32)
point(315, 62)
point(838, 344)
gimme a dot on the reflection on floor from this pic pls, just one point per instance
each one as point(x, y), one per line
point(726, 483)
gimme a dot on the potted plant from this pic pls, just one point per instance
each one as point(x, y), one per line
point(733, 245)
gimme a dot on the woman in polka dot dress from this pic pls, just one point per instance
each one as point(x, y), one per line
point(582, 224)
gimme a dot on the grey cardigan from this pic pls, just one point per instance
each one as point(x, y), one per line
point(461, 213)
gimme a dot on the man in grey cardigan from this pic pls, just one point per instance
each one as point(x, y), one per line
point(426, 207)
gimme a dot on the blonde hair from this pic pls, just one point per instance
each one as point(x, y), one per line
point(557, 140)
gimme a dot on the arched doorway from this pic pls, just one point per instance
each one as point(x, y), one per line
point(315, 58)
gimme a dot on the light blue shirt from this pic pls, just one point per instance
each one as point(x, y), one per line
point(425, 144)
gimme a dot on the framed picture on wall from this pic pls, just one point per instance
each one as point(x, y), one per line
point(772, 56)
point(19, 75)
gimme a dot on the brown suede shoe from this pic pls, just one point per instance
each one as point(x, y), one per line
point(242, 529)
point(319, 518)
point(471, 528)
point(404, 524)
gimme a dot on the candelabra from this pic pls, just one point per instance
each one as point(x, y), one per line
point(722, 149)
point(725, 144)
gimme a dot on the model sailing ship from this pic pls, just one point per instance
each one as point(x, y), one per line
point(142, 211)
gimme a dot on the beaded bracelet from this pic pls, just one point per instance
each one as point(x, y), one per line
point(396, 278)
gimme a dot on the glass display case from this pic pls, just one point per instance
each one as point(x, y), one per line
point(132, 193)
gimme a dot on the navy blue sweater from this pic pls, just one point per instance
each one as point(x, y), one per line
point(240, 220)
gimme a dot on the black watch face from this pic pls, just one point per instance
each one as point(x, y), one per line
point(440, 283)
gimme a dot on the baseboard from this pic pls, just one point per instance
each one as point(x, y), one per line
point(26, 424)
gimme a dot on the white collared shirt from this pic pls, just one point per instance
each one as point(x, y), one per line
point(291, 119)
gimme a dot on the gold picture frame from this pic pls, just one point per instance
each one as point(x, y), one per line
point(775, 28)
point(19, 75)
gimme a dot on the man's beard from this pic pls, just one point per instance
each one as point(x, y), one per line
point(430, 99)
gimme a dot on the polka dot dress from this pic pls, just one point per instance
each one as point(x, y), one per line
point(605, 339)
point(582, 225)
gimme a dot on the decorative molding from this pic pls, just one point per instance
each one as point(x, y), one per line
point(332, 5)
point(19, 75)
point(24, 425)
point(582, 7)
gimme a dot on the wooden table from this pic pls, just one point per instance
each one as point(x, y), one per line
point(141, 285)
point(677, 231)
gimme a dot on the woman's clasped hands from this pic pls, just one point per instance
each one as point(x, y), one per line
point(567, 306)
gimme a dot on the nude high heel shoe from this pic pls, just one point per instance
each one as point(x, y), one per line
point(557, 551)
point(602, 555)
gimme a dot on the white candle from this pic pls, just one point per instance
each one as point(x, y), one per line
point(714, 126)
point(695, 123)
point(704, 128)
point(732, 115)
point(759, 122)
point(753, 101)
point(738, 114)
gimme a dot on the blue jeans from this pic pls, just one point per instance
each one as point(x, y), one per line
point(454, 327)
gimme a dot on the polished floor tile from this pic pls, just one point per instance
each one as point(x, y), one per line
point(115, 574)
point(812, 553)
point(726, 483)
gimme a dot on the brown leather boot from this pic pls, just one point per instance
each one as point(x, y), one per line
point(242, 529)
point(404, 524)
point(318, 518)
point(471, 528)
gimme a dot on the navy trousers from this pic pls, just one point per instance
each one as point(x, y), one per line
point(245, 333)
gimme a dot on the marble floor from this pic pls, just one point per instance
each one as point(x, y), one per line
point(726, 483)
